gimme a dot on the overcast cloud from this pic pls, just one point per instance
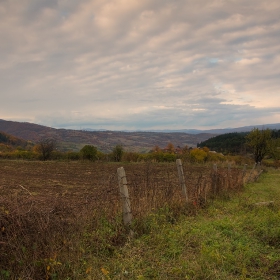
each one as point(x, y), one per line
point(149, 64)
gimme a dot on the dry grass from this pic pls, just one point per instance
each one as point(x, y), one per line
point(56, 217)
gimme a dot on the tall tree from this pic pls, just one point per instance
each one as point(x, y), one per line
point(259, 141)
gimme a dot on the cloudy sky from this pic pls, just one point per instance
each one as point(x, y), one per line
point(149, 64)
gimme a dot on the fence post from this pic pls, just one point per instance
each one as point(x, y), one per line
point(258, 175)
point(127, 215)
point(252, 171)
point(215, 168)
point(244, 172)
point(182, 178)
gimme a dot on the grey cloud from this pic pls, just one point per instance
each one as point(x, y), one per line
point(123, 61)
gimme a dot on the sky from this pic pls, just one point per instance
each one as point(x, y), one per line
point(140, 65)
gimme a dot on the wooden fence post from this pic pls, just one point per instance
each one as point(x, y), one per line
point(215, 168)
point(252, 171)
point(127, 215)
point(182, 178)
point(244, 172)
point(258, 175)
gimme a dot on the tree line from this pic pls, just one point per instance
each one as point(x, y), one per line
point(258, 144)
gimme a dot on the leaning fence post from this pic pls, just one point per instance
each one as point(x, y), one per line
point(182, 177)
point(244, 172)
point(252, 171)
point(127, 215)
point(258, 175)
point(215, 168)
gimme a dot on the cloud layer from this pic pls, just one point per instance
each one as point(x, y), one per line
point(150, 64)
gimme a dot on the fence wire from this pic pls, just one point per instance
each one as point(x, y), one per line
point(47, 209)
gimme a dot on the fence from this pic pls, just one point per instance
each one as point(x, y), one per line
point(49, 209)
point(96, 188)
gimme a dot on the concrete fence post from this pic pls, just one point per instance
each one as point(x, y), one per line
point(127, 215)
point(182, 178)
point(215, 168)
point(244, 173)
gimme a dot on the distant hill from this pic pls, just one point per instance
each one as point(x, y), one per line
point(227, 143)
point(234, 142)
point(12, 141)
point(105, 140)
point(225, 130)
point(67, 139)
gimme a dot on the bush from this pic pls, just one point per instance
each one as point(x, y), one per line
point(217, 157)
point(117, 153)
point(89, 152)
point(73, 155)
point(130, 156)
point(198, 155)
point(271, 163)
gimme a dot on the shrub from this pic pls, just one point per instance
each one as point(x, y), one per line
point(89, 152)
point(198, 155)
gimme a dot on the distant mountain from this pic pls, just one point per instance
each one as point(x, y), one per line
point(140, 141)
point(105, 140)
point(224, 130)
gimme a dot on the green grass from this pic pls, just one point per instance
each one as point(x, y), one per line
point(231, 239)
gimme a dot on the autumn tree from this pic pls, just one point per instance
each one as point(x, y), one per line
point(156, 149)
point(170, 148)
point(274, 149)
point(259, 141)
point(206, 149)
point(186, 150)
point(45, 147)
point(198, 155)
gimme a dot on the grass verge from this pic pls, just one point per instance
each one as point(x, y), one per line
point(234, 238)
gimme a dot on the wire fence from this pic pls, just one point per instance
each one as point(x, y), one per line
point(47, 208)
point(94, 187)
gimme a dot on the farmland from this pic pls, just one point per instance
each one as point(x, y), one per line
point(61, 220)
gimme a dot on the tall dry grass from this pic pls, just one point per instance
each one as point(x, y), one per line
point(57, 232)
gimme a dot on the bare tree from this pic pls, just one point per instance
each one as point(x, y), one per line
point(45, 147)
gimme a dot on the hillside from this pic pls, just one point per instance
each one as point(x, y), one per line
point(11, 141)
point(275, 126)
point(104, 140)
point(226, 143)
point(234, 142)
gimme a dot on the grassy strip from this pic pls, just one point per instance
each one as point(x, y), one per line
point(231, 239)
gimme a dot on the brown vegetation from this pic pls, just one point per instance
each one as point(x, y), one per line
point(56, 215)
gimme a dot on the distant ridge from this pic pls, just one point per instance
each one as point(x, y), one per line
point(67, 139)
point(223, 130)
point(198, 131)
point(105, 140)
point(12, 141)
